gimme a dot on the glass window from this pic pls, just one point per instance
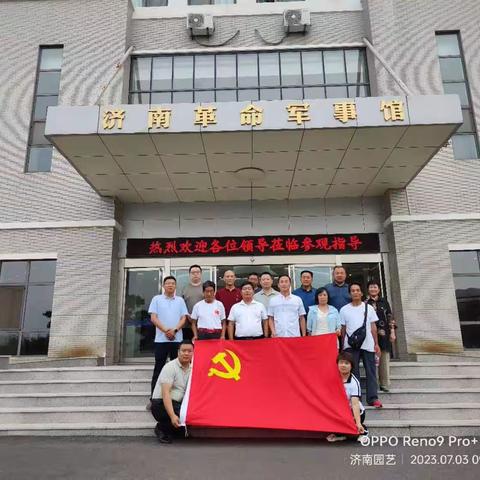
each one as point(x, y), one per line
point(8, 343)
point(51, 58)
point(39, 159)
point(334, 66)
point(38, 134)
point(245, 95)
point(467, 126)
point(34, 343)
point(155, 3)
point(38, 309)
point(48, 83)
point(247, 70)
point(465, 147)
point(209, 77)
point(11, 300)
point(183, 72)
point(447, 45)
point(337, 92)
point(26, 299)
point(459, 89)
point(291, 68)
point(41, 105)
point(204, 72)
point(141, 67)
point(269, 69)
point(13, 272)
point(182, 97)
point(452, 69)
point(46, 94)
point(226, 71)
point(312, 68)
point(43, 271)
point(140, 98)
point(226, 95)
point(292, 94)
point(205, 96)
point(270, 94)
point(162, 73)
point(314, 92)
point(161, 97)
point(465, 262)
point(356, 66)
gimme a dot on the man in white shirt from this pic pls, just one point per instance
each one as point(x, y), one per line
point(352, 317)
point(286, 313)
point(208, 316)
point(247, 319)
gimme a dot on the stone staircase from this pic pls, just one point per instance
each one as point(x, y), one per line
point(427, 398)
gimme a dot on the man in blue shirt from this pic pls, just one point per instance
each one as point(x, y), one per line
point(306, 291)
point(168, 313)
point(338, 290)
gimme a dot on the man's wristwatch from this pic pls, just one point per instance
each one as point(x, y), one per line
point(175, 330)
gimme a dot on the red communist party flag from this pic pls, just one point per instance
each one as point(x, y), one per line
point(278, 383)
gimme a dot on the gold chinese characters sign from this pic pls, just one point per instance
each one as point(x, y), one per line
point(253, 115)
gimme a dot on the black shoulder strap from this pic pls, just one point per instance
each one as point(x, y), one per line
point(365, 315)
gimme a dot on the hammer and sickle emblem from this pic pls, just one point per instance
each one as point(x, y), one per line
point(229, 371)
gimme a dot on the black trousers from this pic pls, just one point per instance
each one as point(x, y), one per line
point(250, 338)
point(162, 351)
point(209, 336)
point(368, 359)
point(163, 420)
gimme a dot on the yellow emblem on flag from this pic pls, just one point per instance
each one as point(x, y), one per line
point(229, 371)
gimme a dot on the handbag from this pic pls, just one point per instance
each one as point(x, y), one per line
point(356, 339)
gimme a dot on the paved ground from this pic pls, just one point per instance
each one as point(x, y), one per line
point(142, 458)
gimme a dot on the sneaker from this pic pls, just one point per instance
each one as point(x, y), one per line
point(335, 438)
point(384, 389)
point(376, 403)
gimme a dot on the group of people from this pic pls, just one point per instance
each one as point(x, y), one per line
point(256, 310)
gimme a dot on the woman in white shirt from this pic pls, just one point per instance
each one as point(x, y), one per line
point(323, 318)
point(208, 316)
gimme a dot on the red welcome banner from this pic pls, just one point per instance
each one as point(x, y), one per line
point(266, 245)
point(279, 383)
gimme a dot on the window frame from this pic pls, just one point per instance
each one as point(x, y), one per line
point(468, 108)
point(258, 88)
point(34, 122)
point(26, 284)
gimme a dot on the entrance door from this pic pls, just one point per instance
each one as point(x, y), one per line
point(138, 332)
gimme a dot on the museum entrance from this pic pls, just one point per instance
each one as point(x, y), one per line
point(141, 283)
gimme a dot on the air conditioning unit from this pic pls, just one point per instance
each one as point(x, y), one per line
point(200, 24)
point(296, 20)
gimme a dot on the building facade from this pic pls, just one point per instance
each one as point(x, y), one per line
point(273, 143)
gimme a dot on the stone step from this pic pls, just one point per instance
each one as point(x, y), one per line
point(433, 381)
point(429, 395)
point(74, 386)
point(470, 355)
point(103, 414)
point(145, 371)
point(47, 362)
point(418, 428)
point(419, 411)
point(125, 414)
point(432, 368)
point(78, 373)
point(74, 399)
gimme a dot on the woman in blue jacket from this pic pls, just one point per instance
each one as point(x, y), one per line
point(322, 317)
